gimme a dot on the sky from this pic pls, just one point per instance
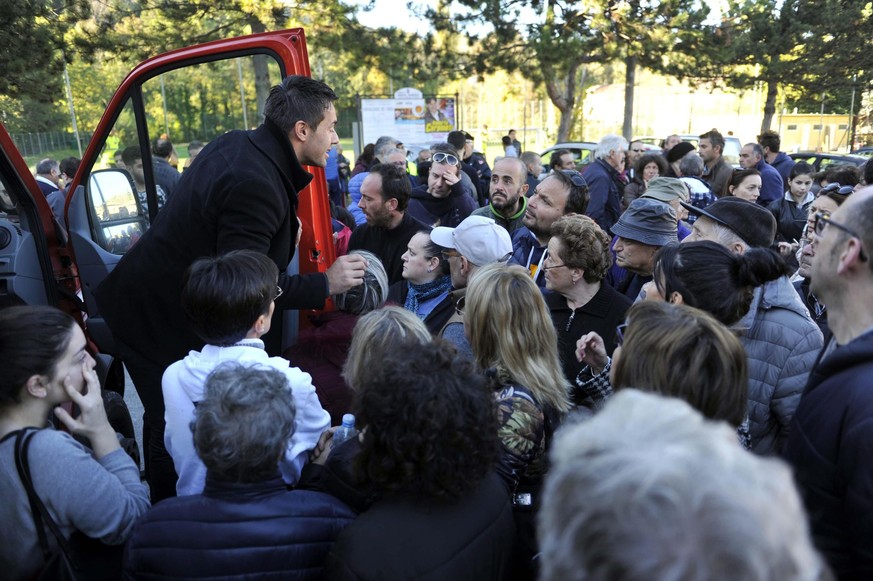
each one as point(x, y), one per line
point(387, 13)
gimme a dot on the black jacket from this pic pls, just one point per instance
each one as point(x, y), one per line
point(602, 314)
point(388, 245)
point(241, 194)
point(448, 211)
point(251, 531)
point(429, 539)
point(830, 446)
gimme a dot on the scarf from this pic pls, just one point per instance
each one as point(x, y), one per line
point(419, 293)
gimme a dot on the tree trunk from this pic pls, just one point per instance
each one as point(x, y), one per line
point(769, 104)
point(262, 74)
point(564, 100)
point(627, 128)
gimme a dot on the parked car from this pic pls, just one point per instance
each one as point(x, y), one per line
point(583, 153)
point(866, 151)
point(820, 161)
point(49, 263)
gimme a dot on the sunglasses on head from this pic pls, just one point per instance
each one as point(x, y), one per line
point(446, 158)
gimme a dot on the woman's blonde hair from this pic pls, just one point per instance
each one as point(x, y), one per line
point(382, 331)
point(510, 330)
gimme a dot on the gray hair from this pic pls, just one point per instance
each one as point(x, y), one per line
point(244, 422)
point(46, 166)
point(691, 165)
point(725, 236)
point(649, 489)
point(385, 145)
point(370, 295)
point(609, 143)
point(756, 147)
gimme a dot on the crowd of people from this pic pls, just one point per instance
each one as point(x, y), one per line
point(657, 368)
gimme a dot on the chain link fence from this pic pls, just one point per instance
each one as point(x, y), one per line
point(35, 144)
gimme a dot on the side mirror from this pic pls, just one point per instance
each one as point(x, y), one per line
point(117, 209)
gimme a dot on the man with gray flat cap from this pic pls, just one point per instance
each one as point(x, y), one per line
point(671, 191)
point(476, 242)
point(780, 338)
point(642, 230)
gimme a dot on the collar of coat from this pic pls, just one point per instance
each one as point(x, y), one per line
point(274, 143)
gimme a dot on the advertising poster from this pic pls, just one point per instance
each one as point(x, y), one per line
point(409, 117)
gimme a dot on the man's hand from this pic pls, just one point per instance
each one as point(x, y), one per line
point(345, 273)
point(451, 178)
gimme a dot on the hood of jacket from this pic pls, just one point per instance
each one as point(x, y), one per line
point(777, 293)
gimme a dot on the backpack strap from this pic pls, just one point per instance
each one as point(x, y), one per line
point(40, 513)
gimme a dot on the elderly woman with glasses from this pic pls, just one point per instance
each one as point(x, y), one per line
point(229, 302)
point(577, 261)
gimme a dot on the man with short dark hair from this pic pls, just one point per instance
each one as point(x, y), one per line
point(717, 171)
point(560, 193)
point(515, 142)
point(507, 194)
point(831, 435)
point(241, 194)
point(458, 140)
point(134, 164)
point(561, 159)
point(770, 142)
point(389, 228)
point(772, 188)
point(165, 174)
point(478, 161)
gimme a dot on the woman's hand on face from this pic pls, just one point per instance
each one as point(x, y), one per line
point(91, 422)
point(591, 350)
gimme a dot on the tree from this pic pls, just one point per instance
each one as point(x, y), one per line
point(804, 48)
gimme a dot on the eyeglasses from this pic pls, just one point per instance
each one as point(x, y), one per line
point(822, 220)
point(459, 305)
point(450, 254)
point(619, 334)
point(446, 158)
point(279, 292)
point(554, 266)
point(575, 177)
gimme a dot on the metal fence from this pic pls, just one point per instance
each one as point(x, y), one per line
point(34, 144)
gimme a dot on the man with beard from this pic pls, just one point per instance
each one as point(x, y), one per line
point(561, 192)
point(389, 227)
point(507, 193)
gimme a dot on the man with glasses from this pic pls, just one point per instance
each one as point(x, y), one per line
point(476, 242)
point(780, 338)
point(389, 228)
point(443, 200)
point(831, 438)
point(507, 193)
point(561, 192)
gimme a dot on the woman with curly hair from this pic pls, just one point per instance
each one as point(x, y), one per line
point(648, 166)
point(578, 260)
point(428, 448)
point(515, 343)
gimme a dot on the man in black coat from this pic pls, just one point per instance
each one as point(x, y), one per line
point(242, 194)
point(830, 442)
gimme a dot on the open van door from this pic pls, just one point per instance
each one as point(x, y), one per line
point(107, 210)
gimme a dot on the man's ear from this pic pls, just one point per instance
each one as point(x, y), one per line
point(36, 386)
point(850, 257)
point(465, 265)
point(524, 187)
point(392, 204)
point(300, 131)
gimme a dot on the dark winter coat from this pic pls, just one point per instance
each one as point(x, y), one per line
point(241, 194)
point(605, 205)
point(403, 538)
point(448, 211)
point(830, 447)
point(237, 531)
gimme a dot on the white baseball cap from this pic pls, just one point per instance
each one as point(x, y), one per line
point(479, 239)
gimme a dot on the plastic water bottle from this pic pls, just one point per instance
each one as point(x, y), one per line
point(346, 431)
